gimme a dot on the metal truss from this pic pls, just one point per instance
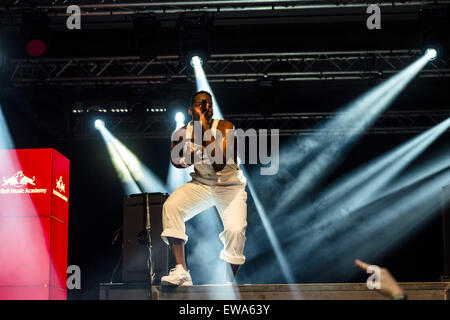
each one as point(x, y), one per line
point(239, 67)
point(124, 7)
point(288, 124)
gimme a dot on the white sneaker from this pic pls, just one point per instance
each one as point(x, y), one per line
point(177, 277)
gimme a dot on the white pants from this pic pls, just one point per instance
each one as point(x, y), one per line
point(194, 197)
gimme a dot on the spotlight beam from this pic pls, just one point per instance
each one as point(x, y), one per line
point(390, 221)
point(6, 141)
point(143, 177)
point(415, 175)
point(357, 189)
point(364, 186)
point(343, 221)
point(36, 237)
point(129, 184)
point(370, 189)
point(359, 115)
point(203, 84)
point(148, 181)
point(363, 233)
point(140, 189)
point(272, 236)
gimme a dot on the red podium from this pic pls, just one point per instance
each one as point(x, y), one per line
point(34, 206)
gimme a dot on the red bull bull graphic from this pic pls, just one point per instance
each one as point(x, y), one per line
point(34, 203)
point(19, 184)
point(14, 180)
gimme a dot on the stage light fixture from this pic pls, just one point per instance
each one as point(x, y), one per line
point(179, 117)
point(146, 40)
point(431, 53)
point(196, 61)
point(434, 25)
point(36, 47)
point(36, 33)
point(99, 124)
point(195, 36)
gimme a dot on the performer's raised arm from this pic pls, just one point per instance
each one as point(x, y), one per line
point(201, 112)
point(183, 149)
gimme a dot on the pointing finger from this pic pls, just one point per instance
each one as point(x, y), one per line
point(362, 265)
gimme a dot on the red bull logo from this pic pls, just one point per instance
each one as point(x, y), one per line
point(19, 183)
point(60, 185)
point(61, 189)
point(18, 180)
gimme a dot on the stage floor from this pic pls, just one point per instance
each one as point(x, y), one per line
point(322, 291)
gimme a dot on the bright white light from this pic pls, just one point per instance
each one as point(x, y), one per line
point(135, 176)
point(203, 85)
point(326, 149)
point(129, 185)
point(368, 182)
point(196, 61)
point(344, 130)
point(6, 141)
point(431, 53)
point(179, 117)
point(368, 193)
point(99, 124)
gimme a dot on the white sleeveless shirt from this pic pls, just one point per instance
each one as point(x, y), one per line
point(204, 173)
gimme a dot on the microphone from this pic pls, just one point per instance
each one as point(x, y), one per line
point(116, 236)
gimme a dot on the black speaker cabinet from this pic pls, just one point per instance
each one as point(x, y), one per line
point(137, 209)
point(445, 193)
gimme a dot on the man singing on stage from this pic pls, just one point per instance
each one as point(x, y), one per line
point(218, 182)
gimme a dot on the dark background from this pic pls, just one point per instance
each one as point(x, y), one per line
point(39, 115)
